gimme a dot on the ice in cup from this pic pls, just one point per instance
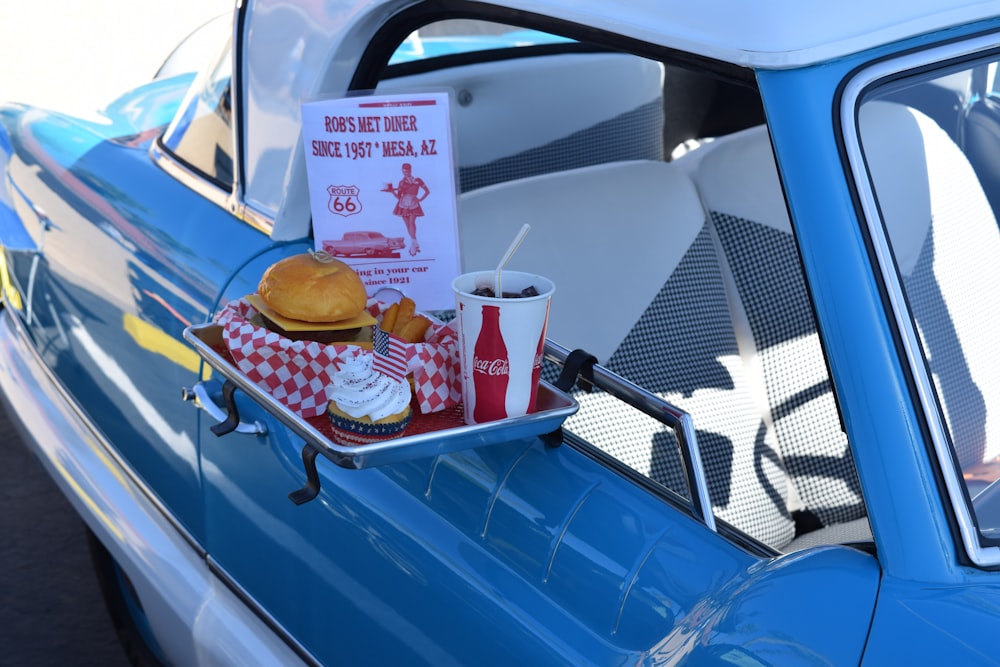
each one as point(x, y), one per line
point(501, 342)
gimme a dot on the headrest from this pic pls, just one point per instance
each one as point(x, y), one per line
point(736, 175)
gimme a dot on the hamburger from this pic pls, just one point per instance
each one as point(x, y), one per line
point(313, 296)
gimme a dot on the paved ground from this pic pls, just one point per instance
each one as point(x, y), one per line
point(72, 56)
point(52, 613)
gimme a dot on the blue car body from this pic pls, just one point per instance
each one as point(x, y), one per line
point(514, 552)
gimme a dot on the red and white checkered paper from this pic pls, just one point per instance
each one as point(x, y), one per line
point(297, 373)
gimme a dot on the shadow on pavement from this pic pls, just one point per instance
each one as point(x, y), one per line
point(52, 611)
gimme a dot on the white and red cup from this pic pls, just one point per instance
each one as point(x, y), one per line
point(501, 342)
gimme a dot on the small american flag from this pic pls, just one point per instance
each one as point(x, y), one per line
point(390, 354)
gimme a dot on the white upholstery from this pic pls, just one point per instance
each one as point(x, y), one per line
point(893, 139)
point(738, 182)
point(510, 106)
point(609, 236)
point(739, 163)
point(638, 285)
point(740, 177)
point(946, 242)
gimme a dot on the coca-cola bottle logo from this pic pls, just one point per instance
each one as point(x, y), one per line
point(490, 369)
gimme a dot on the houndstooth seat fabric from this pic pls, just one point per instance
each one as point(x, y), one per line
point(627, 136)
point(945, 241)
point(800, 395)
point(739, 186)
point(645, 294)
point(684, 350)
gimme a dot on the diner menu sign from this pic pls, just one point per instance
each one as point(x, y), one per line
point(381, 176)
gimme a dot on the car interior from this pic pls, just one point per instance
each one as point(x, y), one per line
point(655, 206)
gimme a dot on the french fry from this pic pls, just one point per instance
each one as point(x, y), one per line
point(415, 330)
point(389, 317)
point(406, 308)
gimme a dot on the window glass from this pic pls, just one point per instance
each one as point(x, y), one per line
point(464, 36)
point(615, 161)
point(930, 143)
point(511, 128)
point(201, 133)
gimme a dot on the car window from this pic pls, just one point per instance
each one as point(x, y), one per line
point(620, 117)
point(201, 134)
point(656, 207)
point(930, 144)
point(456, 36)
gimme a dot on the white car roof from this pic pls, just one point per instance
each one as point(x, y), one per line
point(768, 33)
point(291, 42)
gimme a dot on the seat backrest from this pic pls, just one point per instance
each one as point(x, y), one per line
point(739, 186)
point(591, 234)
point(946, 242)
point(584, 108)
point(638, 284)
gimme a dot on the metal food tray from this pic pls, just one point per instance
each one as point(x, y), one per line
point(554, 406)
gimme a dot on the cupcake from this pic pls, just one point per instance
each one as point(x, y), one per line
point(366, 406)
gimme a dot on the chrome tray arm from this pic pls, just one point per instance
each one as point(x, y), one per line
point(592, 374)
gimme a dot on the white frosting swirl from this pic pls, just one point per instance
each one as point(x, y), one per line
point(359, 390)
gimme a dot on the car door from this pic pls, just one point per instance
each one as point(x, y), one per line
point(524, 551)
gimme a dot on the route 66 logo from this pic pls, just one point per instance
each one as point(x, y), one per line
point(344, 199)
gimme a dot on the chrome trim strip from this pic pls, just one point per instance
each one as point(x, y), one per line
point(193, 613)
point(654, 406)
point(985, 556)
point(207, 189)
point(240, 592)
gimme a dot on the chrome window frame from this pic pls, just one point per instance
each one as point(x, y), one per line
point(208, 189)
point(231, 200)
point(854, 91)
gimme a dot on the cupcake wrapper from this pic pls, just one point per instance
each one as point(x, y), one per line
point(353, 432)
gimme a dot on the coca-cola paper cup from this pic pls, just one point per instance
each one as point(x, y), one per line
point(501, 342)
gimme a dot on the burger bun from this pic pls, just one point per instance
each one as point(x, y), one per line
point(313, 287)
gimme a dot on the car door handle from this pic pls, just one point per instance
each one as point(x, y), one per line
point(203, 394)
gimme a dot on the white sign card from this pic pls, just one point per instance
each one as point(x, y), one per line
point(381, 175)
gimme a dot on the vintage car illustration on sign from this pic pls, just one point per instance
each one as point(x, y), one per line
point(371, 244)
point(771, 419)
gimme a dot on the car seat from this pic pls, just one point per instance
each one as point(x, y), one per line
point(738, 181)
point(638, 284)
point(526, 116)
point(945, 242)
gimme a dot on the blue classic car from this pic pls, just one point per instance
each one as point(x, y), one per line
point(772, 229)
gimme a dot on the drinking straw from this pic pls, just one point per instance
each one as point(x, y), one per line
point(507, 255)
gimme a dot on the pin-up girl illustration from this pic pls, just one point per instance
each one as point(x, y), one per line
point(408, 200)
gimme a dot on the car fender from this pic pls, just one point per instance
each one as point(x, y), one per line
point(193, 614)
point(829, 624)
